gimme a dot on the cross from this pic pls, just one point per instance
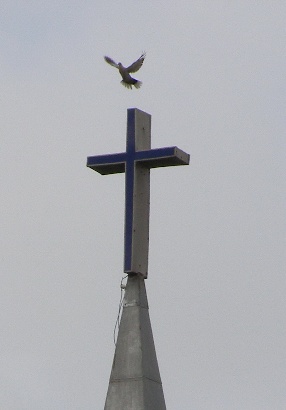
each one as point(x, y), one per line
point(136, 162)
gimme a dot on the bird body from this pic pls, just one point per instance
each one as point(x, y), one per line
point(127, 80)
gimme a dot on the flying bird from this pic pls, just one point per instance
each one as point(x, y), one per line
point(127, 80)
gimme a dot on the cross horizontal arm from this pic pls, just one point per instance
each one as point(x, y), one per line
point(107, 164)
point(154, 158)
point(162, 157)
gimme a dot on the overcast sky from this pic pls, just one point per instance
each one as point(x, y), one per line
point(214, 83)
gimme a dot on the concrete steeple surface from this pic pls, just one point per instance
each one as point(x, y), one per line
point(135, 382)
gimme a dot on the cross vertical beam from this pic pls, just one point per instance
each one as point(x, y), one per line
point(137, 194)
point(136, 162)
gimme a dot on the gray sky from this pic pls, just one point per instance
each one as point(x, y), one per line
point(214, 82)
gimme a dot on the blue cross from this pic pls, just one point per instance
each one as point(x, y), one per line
point(136, 162)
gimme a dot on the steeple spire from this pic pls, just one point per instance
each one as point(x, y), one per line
point(135, 382)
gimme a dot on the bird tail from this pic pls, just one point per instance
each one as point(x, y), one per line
point(127, 85)
point(138, 84)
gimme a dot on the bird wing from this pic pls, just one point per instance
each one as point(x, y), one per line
point(111, 62)
point(137, 64)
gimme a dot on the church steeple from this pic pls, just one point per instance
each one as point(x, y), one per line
point(135, 382)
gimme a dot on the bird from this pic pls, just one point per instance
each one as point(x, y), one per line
point(127, 80)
